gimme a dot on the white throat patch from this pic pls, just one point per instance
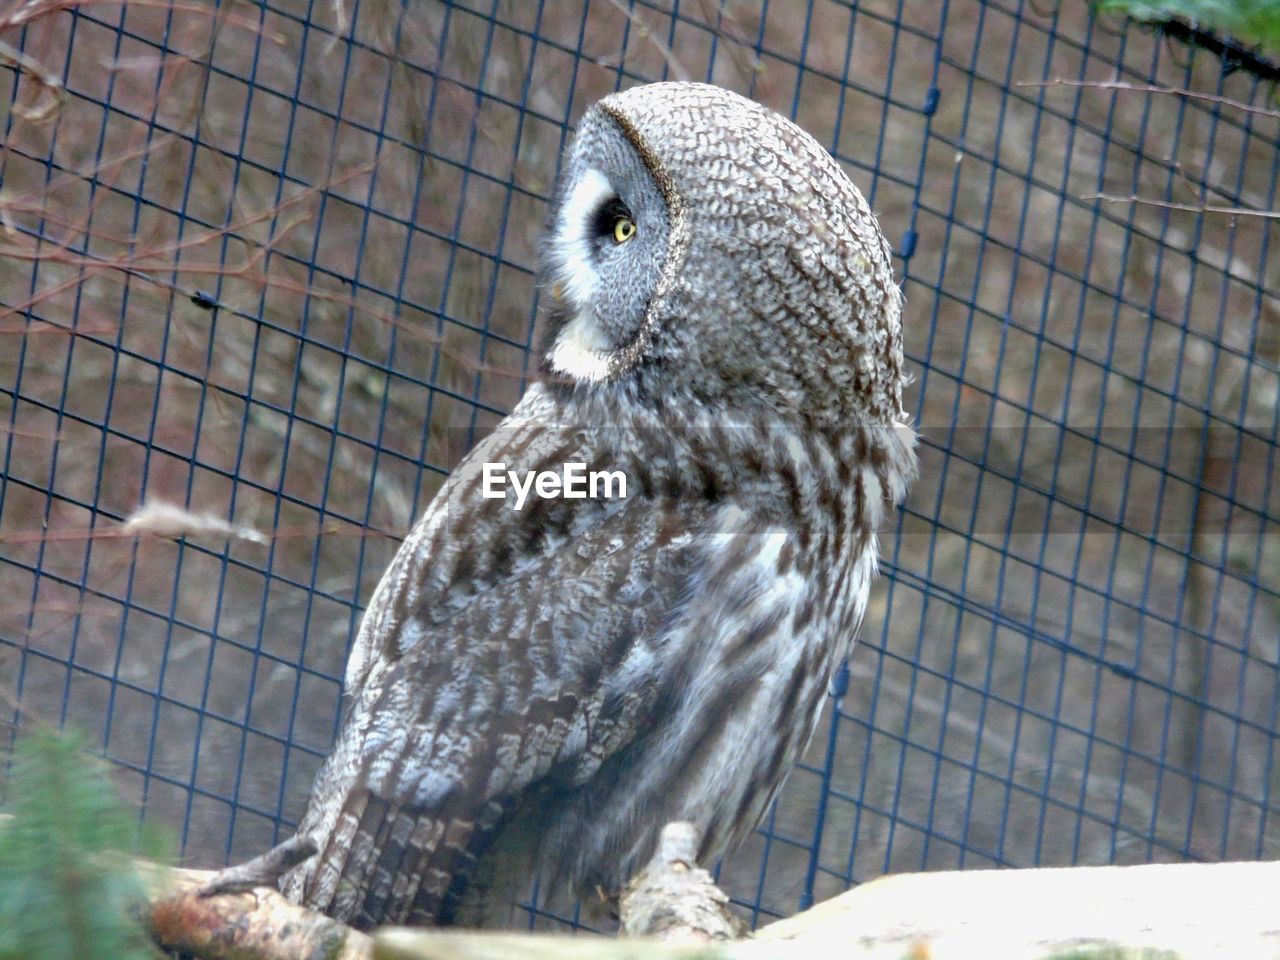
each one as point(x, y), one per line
point(581, 351)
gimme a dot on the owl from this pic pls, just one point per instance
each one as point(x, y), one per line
point(538, 686)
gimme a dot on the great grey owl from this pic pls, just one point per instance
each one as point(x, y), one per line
point(543, 688)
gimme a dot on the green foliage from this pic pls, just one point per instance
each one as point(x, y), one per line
point(67, 885)
point(1251, 22)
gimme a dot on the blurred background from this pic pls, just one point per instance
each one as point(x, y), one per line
point(273, 263)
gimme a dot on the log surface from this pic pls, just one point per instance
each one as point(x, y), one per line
point(1189, 911)
point(256, 925)
point(1150, 912)
point(675, 899)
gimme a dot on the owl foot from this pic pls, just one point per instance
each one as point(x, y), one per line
point(264, 870)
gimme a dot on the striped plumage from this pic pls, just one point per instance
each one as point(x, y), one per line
point(544, 689)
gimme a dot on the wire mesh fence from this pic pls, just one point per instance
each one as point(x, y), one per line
point(275, 264)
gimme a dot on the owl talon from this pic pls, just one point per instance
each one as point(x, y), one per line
point(264, 870)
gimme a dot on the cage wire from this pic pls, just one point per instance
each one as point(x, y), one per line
point(274, 264)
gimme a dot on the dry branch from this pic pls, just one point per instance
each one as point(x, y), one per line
point(1151, 912)
point(674, 899)
point(1154, 912)
point(406, 944)
point(1152, 88)
point(259, 925)
point(1189, 207)
point(42, 76)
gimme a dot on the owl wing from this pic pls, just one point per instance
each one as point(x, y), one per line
point(538, 674)
point(467, 544)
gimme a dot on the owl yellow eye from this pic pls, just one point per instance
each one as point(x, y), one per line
point(624, 228)
point(614, 220)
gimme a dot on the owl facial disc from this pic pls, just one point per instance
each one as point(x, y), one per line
point(582, 349)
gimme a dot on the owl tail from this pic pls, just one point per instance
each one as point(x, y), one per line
point(389, 862)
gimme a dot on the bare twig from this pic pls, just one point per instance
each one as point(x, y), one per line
point(739, 47)
point(1151, 88)
point(50, 436)
point(646, 33)
point(29, 328)
point(328, 528)
point(41, 75)
point(1189, 207)
point(20, 14)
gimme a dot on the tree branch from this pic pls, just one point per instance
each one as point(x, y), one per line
point(1189, 207)
point(1152, 88)
point(258, 925)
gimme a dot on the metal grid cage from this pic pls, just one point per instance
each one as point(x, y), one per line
point(273, 263)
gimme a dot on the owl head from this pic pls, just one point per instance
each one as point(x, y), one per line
point(703, 249)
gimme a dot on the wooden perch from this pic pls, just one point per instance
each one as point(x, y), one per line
point(675, 899)
point(403, 943)
point(1155, 912)
point(1152, 912)
point(672, 899)
point(257, 925)
point(673, 903)
point(1180, 911)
